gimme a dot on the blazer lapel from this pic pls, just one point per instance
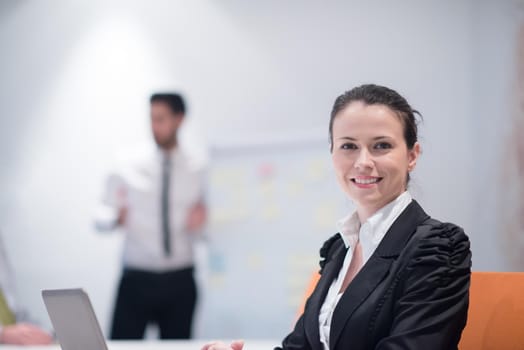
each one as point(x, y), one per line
point(376, 268)
point(316, 300)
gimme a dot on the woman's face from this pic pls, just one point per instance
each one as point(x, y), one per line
point(370, 155)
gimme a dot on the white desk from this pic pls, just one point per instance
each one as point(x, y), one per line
point(157, 345)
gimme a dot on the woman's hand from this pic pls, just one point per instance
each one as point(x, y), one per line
point(24, 334)
point(216, 345)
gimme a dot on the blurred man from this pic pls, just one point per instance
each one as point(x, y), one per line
point(12, 328)
point(157, 200)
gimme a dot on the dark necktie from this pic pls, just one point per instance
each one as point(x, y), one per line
point(166, 175)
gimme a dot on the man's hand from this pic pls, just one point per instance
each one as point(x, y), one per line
point(235, 345)
point(122, 210)
point(196, 217)
point(24, 334)
point(122, 216)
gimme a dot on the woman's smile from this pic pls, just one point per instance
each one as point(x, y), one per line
point(366, 181)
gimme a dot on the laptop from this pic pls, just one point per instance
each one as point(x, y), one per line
point(74, 319)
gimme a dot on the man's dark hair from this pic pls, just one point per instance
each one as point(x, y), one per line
point(173, 100)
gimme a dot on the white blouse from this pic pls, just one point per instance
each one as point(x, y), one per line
point(370, 234)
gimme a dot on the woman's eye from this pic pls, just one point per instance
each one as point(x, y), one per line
point(348, 146)
point(383, 145)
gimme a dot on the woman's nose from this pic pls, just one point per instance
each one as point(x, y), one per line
point(364, 160)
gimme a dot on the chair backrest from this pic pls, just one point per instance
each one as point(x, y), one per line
point(309, 290)
point(495, 315)
point(496, 312)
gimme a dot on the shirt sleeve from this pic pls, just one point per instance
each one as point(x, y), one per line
point(7, 285)
point(106, 213)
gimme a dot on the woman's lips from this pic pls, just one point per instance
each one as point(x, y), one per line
point(366, 181)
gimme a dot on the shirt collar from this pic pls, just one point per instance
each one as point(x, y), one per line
point(163, 155)
point(375, 227)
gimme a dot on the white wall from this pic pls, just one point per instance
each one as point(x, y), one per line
point(75, 77)
point(496, 104)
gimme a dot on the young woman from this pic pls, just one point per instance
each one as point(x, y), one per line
point(392, 278)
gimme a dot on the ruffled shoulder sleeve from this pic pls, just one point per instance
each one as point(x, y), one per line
point(432, 302)
point(329, 246)
point(445, 249)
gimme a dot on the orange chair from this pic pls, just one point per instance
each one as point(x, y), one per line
point(495, 315)
point(309, 290)
point(496, 312)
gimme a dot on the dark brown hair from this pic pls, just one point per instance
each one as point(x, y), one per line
point(371, 94)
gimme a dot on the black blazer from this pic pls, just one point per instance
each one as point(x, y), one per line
point(412, 293)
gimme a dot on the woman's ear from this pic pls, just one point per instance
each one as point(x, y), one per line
point(413, 154)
